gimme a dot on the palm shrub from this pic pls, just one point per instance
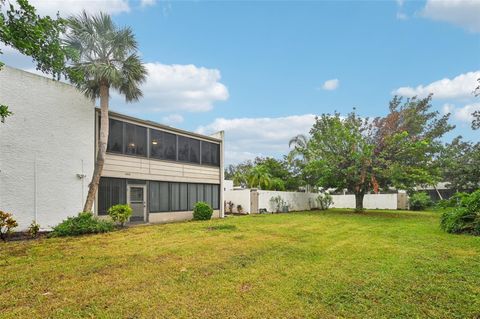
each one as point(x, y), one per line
point(202, 211)
point(120, 213)
point(465, 218)
point(83, 223)
point(420, 201)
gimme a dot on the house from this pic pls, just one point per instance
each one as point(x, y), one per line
point(47, 155)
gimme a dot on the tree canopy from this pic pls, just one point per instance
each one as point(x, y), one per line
point(363, 155)
point(38, 37)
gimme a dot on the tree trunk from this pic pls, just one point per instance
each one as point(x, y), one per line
point(101, 149)
point(359, 201)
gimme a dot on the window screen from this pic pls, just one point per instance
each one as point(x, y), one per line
point(115, 136)
point(208, 194)
point(163, 145)
point(135, 140)
point(111, 191)
point(159, 197)
point(215, 196)
point(200, 193)
point(210, 153)
point(188, 149)
point(183, 196)
point(192, 196)
point(175, 196)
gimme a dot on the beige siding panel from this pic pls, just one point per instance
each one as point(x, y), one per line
point(174, 216)
point(139, 168)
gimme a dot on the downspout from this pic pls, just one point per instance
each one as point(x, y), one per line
point(35, 188)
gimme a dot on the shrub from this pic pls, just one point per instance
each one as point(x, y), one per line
point(7, 224)
point(472, 202)
point(202, 211)
point(457, 200)
point(33, 229)
point(84, 223)
point(239, 209)
point(420, 201)
point(230, 205)
point(461, 220)
point(324, 201)
point(120, 213)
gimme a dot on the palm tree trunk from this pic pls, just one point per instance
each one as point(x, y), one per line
point(101, 150)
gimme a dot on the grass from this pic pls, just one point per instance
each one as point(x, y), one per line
point(301, 265)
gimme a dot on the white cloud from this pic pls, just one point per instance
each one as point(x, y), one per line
point(250, 137)
point(174, 88)
point(460, 87)
point(173, 119)
point(331, 85)
point(147, 3)
point(464, 13)
point(68, 7)
point(462, 114)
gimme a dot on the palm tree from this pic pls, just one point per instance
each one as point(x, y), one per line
point(299, 141)
point(105, 57)
point(259, 177)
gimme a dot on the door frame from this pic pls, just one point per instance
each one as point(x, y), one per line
point(144, 186)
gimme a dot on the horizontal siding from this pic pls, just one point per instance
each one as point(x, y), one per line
point(142, 168)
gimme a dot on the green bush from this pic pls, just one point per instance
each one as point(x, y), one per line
point(202, 211)
point(84, 223)
point(120, 213)
point(465, 217)
point(472, 202)
point(420, 201)
point(457, 200)
point(461, 220)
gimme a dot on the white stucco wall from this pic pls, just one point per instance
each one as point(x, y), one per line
point(238, 197)
point(51, 133)
point(370, 201)
point(296, 201)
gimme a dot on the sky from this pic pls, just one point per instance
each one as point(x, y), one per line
point(262, 70)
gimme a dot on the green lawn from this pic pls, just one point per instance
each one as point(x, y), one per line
point(299, 265)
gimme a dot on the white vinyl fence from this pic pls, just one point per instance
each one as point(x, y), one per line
point(298, 201)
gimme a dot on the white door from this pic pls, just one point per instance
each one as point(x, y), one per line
point(137, 199)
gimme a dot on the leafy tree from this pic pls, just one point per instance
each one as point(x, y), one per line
point(460, 162)
point(392, 151)
point(106, 58)
point(32, 35)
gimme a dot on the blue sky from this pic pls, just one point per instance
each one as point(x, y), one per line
point(262, 70)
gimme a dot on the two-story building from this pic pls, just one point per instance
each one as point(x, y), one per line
point(47, 154)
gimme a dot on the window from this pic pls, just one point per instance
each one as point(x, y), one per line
point(111, 191)
point(210, 153)
point(208, 194)
point(163, 145)
point(159, 197)
point(192, 196)
point(135, 140)
point(115, 136)
point(183, 196)
point(188, 149)
point(175, 196)
point(215, 196)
